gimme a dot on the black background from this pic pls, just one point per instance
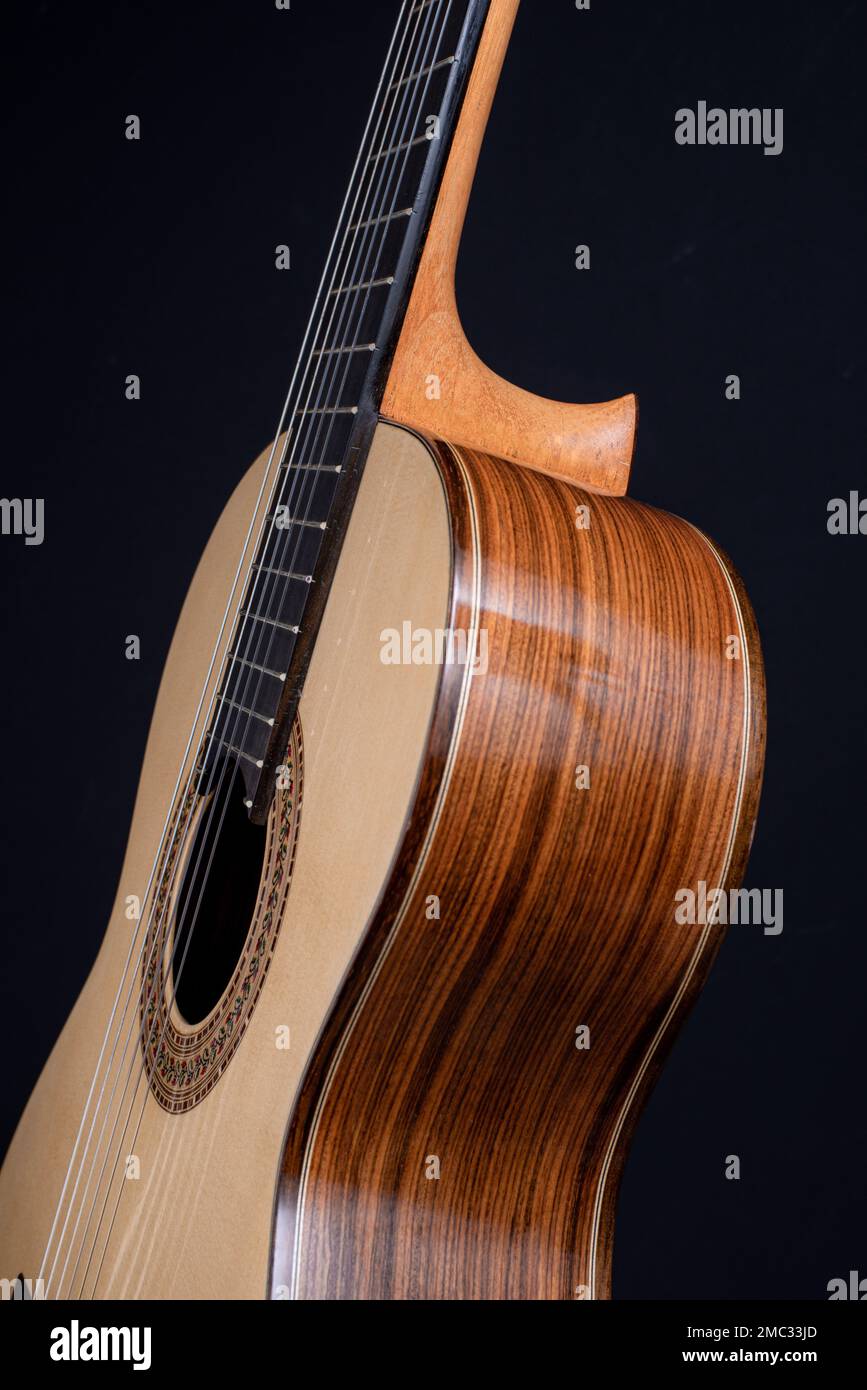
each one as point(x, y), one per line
point(158, 258)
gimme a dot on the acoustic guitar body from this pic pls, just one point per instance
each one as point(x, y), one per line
point(429, 987)
point(485, 860)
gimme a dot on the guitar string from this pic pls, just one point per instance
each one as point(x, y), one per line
point(158, 938)
point(341, 227)
point(411, 63)
point(317, 433)
point(315, 444)
point(394, 178)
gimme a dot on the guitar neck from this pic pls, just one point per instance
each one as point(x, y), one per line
point(337, 388)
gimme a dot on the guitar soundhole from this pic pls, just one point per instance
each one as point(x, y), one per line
point(218, 895)
point(208, 952)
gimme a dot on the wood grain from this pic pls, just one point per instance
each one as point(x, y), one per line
point(590, 445)
point(455, 1038)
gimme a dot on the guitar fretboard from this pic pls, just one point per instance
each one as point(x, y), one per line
point(336, 391)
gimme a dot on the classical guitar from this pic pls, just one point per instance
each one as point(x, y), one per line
point(446, 725)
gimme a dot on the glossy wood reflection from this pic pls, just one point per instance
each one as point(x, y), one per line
point(452, 1048)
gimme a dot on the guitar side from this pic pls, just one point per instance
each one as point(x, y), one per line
point(451, 1140)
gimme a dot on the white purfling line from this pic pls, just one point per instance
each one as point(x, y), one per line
point(697, 953)
point(402, 911)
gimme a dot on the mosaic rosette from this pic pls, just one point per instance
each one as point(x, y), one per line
point(184, 1065)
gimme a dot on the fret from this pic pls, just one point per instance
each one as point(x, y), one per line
point(308, 498)
point(364, 308)
point(272, 622)
point(377, 221)
point(339, 351)
point(250, 687)
point(281, 600)
point(329, 410)
point(239, 752)
point(284, 574)
point(287, 523)
point(290, 467)
point(240, 729)
point(254, 665)
point(363, 285)
point(254, 714)
point(318, 446)
point(266, 646)
point(423, 5)
point(396, 149)
point(424, 72)
point(297, 547)
point(305, 502)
